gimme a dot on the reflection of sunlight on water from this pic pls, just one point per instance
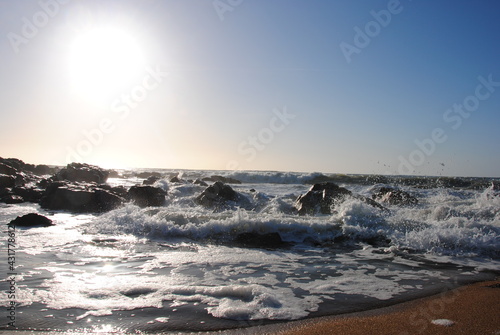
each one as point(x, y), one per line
point(108, 268)
point(101, 329)
point(107, 329)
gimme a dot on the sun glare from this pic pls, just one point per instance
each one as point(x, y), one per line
point(104, 60)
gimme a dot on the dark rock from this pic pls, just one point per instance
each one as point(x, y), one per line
point(254, 240)
point(13, 162)
point(23, 178)
point(121, 191)
point(321, 198)
point(225, 180)
point(200, 182)
point(82, 198)
point(43, 170)
point(7, 170)
point(31, 220)
point(44, 183)
point(12, 199)
point(5, 191)
point(176, 179)
point(151, 180)
point(29, 194)
point(394, 196)
point(79, 172)
point(146, 196)
point(113, 174)
point(217, 195)
point(7, 181)
point(453, 182)
point(39, 170)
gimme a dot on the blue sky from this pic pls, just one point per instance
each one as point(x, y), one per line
point(253, 84)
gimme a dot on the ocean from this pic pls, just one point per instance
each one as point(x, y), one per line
point(182, 267)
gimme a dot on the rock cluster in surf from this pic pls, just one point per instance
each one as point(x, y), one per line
point(82, 188)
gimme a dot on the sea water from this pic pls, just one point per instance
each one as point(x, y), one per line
point(178, 267)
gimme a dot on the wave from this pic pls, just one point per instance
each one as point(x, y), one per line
point(279, 177)
point(447, 222)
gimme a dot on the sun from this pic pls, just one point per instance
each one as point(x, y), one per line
point(104, 60)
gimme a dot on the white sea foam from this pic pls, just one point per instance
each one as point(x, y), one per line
point(443, 322)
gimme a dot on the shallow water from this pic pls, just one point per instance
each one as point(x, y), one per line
point(179, 268)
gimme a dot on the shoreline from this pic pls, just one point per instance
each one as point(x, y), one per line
point(468, 309)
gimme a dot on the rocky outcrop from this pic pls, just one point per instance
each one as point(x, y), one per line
point(146, 196)
point(31, 220)
point(394, 196)
point(81, 198)
point(79, 172)
point(7, 169)
point(13, 166)
point(16, 179)
point(7, 181)
point(322, 198)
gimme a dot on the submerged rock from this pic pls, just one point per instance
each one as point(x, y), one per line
point(200, 182)
point(82, 198)
point(323, 197)
point(146, 174)
point(79, 172)
point(150, 180)
point(255, 240)
point(394, 196)
point(176, 179)
point(146, 196)
point(32, 220)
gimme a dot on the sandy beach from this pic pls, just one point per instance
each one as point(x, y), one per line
point(471, 309)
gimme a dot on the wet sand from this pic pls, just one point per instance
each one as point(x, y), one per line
point(472, 309)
